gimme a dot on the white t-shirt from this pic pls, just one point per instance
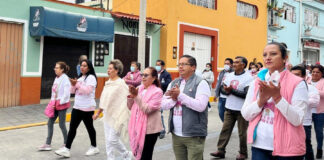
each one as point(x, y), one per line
point(82, 100)
point(238, 82)
point(314, 110)
point(264, 140)
point(225, 75)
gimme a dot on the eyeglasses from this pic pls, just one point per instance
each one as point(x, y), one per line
point(183, 64)
point(145, 75)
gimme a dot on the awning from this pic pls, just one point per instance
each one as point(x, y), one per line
point(55, 23)
point(135, 17)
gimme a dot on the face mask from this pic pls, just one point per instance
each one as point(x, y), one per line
point(207, 69)
point(132, 69)
point(227, 67)
point(158, 68)
point(253, 70)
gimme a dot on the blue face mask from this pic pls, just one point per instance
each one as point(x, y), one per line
point(132, 69)
point(158, 68)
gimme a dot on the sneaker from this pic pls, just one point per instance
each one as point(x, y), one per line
point(128, 155)
point(45, 147)
point(162, 135)
point(65, 152)
point(92, 151)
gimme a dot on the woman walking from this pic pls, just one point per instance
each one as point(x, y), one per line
point(61, 100)
point(318, 113)
point(275, 106)
point(113, 103)
point(208, 75)
point(83, 109)
point(145, 124)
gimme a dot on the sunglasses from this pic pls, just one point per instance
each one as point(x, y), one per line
point(145, 75)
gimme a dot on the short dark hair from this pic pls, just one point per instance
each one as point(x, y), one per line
point(161, 61)
point(192, 60)
point(301, 68)
point(154, 73)
point(282, 48)
point(243, 59)
point(137, 64)
point(251, 64)
point(259, 63)
point(319, 67)
point(230, 60)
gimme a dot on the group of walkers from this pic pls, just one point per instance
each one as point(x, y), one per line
point(274, 107)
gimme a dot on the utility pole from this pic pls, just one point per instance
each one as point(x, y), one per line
point(141, 34)
point(300, 47)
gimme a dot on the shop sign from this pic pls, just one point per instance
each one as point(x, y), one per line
point(36, 18)
point(132, 27)
point(312, 45)
point(83, 25)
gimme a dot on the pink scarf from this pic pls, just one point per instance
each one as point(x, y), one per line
point(137, 126)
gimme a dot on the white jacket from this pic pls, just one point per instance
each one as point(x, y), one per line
point(61, 86)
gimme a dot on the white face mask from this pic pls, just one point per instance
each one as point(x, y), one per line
point(227, 67)
point(253, 70)
point(207, 68)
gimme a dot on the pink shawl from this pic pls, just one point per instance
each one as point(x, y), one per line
point(137, 126)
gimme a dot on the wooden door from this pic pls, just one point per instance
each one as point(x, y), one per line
point(10, 63)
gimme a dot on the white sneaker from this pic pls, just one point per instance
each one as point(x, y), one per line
point(128, 155)
point(45, 147)
point(92, 151)
point(65, 152)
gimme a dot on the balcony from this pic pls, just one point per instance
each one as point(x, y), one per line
point(314, 32)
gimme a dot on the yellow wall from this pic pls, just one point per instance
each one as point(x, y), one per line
point(238, 36)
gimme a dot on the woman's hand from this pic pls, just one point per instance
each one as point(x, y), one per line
point(73, 81)
point(95, 116)
point(268, 91)
point(133, 91)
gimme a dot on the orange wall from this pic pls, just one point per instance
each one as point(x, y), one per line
point(30, 88)
point(237, 35)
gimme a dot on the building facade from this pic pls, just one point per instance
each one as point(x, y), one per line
point(34, 35)
point(299, 24)
point(210, 30)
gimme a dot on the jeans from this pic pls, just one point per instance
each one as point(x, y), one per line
point(318, 125)
point(50, 125)
point(163, 131)
point(261, 154)
point(221, 107)
point(309, 149)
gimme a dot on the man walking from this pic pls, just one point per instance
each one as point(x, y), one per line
point(236, 86)
point(220, 79)
point(187, 98)
point(165, 78)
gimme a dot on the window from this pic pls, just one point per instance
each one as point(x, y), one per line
point(204, 3)
point(246, 10)
point(289, 13)
point(311, 18)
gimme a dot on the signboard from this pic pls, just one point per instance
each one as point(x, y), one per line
point(312, 45)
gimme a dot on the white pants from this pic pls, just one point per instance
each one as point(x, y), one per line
point(113, 142)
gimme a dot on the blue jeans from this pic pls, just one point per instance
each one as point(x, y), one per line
point(221, 108)
point(261, 154)
point(163, 131)
point(309, 149)
point(318, 125)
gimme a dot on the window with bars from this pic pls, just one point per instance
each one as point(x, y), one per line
point(204, 3)
point(311, 18)
point(289, 13)
point(246, 10)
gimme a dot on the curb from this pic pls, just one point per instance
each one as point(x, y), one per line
point(67, 119)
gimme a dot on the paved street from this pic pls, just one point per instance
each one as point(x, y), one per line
point(21, 144)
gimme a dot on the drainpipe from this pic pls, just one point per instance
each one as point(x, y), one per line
point(300, 31)
point(141, 34)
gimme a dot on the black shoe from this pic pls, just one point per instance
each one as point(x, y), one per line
point(319, 154)
point(218, 154)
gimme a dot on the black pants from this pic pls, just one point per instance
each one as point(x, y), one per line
point(150, 140)
point(76, 117)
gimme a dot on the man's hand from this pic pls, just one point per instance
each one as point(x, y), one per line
point(174, 92)
point(228, 89)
